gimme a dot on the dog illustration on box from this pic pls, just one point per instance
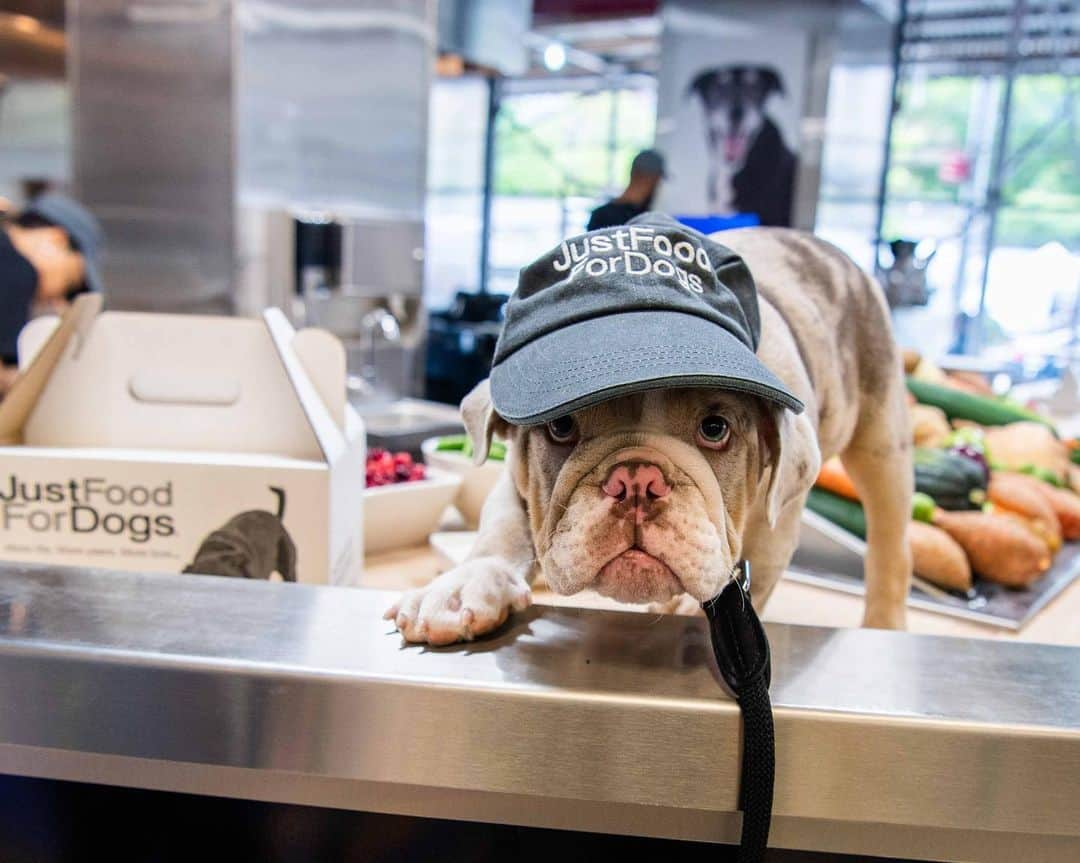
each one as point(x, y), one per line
point(751, 169)
point(252, 544)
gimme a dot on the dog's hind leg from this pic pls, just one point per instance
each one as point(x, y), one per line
point(878, 458)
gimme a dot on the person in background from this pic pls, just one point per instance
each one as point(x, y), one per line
point(646, 172)
point(48, 254)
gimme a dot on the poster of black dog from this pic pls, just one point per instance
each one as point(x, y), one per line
point(751, 168)
point(251, 544)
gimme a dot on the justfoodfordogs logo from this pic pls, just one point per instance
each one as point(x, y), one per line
point(635, 251)
point(86, 506)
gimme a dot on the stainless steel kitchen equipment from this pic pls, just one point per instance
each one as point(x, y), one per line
point(205, 129)
point(361, 279)
point(153, 138)
point(887, 744)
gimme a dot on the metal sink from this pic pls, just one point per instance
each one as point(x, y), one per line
point(404, 424)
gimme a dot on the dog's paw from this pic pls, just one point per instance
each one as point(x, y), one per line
point(684, 603)
point(462, 604)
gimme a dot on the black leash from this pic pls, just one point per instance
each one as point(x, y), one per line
point(742, 653)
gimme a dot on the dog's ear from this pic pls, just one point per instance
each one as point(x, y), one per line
point(481, 421)
point(771, 82)
point(701, 83)
point(792, 458)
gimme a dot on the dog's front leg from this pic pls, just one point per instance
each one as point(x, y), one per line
point(478, 595)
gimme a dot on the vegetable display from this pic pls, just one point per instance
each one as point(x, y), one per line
point(961, 405)
point(1001, 548)
point(841, 511)
point(997, 491)
point(938, 558)
point(952, 480)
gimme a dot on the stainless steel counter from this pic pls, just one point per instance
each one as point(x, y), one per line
point(887, 743)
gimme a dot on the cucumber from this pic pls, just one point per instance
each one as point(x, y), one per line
point(839, 510)
point(968, 406)
point(953, 481)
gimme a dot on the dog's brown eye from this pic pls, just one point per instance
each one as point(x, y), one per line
point(562, 430)
point(714, 432)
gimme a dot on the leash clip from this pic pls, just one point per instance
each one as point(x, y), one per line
point(740, 574)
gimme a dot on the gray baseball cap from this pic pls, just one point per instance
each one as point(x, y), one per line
point(81, 226)
point(648, 305)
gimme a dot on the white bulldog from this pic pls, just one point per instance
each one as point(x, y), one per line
point(653, 496)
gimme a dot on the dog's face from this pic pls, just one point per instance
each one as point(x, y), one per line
point(733, 98)
point(645, 497)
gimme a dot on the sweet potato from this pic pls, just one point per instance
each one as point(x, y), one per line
point(1066, 506)
point(1000, 547)
point(929, 426)
point(938, 557)
point(1021, 495)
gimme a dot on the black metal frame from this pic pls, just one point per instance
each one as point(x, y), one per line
point(998, 58)
point(493, 105)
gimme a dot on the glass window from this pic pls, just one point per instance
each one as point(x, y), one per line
point(1034, 274)
point(558, 155)
point(943, 187)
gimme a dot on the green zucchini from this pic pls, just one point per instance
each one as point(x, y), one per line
point(849, 514)
point(953, 481)
point(842, 512)
point(968, 406)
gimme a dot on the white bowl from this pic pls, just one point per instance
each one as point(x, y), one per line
point(405, 513)
point(477, 480)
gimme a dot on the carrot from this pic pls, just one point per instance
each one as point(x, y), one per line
point(834, 478)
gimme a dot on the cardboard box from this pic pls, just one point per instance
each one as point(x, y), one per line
point(173, 442)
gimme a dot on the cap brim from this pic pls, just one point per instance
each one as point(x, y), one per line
point(599, 359)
